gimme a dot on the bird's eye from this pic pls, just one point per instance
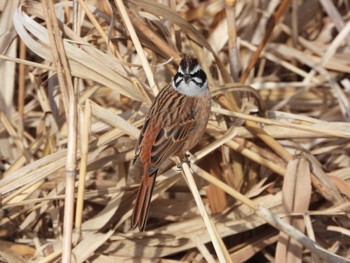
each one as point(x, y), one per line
point(199, 77)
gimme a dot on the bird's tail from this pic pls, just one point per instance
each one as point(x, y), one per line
point(143, 200)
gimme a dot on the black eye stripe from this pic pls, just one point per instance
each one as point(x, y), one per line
point(200, 74)
point(196, 74)
point(177, 79)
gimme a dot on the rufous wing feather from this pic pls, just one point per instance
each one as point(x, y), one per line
point(143, 200)
point(170, 142)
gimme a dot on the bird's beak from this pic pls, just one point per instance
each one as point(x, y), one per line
point(187, 78)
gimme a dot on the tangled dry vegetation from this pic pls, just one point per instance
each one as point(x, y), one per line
point(285, 146)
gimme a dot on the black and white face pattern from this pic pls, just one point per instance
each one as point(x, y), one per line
point(190, 79)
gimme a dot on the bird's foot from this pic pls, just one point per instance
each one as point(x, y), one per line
point(186, 160)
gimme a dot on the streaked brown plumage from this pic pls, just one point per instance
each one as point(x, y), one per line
point(176, 121)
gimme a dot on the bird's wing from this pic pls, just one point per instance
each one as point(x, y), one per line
point(173, 134)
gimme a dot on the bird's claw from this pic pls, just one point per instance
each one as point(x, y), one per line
point(184, 160)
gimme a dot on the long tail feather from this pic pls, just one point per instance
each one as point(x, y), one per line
point(143, 200)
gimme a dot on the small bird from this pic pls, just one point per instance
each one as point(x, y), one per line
point(176, 121)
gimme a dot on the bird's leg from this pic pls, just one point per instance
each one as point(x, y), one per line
point(184, 159)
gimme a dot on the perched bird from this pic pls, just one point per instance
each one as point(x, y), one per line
point(176, 121)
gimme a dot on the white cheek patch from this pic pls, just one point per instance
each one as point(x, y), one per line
point(197, 80)
point(195, 69)
point(177, 82)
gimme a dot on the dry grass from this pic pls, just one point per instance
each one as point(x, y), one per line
point(280, 150)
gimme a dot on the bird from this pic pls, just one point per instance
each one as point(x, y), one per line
point(176, 121)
